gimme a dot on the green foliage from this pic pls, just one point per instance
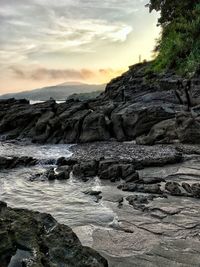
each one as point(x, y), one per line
point(179, 46)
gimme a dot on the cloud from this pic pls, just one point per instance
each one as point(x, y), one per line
point(39, 74)
point(70, 39)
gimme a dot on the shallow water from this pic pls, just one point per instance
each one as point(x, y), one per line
point(65, 200)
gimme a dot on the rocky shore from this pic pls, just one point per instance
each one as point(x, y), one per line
point(132, 141)
point(139, 105)
point(154, 192)
point(36, 239)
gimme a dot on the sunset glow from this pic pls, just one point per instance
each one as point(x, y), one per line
point(49, 42)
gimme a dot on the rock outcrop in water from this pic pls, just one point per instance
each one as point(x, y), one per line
point(15, 162)
point(36, 239)
point(139, 105)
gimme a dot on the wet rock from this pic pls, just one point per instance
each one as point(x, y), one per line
point(114, 170)
point(196, 190)
point(187, 187)
point(38, 238)
point(63, 172)
point(92, 192)
point(86, 169)
point(111, 173)
point(173, 188)
point(95, 194)
point(150, 180)
point(130, 187)
point(134, 177)
point(15, 162)
point(139, 199)
point(150, 189)
point(65, 161)
point(50, 174)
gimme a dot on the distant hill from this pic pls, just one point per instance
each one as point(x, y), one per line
point(57, 92)
point(85, 96)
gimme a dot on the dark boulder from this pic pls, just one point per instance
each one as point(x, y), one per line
point(94, 128)
point(188, 127)
point(63, 172)
point(36, 239)
point(86, 169)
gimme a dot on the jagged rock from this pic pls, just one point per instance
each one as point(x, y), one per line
point(36, 239)
point(148, 106)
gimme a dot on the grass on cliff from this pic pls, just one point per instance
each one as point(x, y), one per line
point(179, 46)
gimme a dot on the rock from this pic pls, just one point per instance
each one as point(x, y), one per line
point(111, 173)
point(173, 188)
point(63, 161)
point(134, 177)
point(150, 189)
point(94, 128)
point(150, 180)
point(151, 108)
point(139, 199)
point(196, 190)
point(188, 127)
point(86, 169)
point(115, 170)
point(187, 187)
point(130, 187)
point(63, 172)
point(163, 132)
point(92, 192)
point(15, 162)
point(37, 238)
point(51, 174)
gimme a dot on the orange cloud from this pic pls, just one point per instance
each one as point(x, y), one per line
point(84, 75)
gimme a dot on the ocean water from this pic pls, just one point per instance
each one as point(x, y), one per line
point(65, 200)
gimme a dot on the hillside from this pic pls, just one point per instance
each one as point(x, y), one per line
point(147, 107)
point(58, 92)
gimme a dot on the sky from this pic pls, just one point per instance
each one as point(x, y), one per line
point(48, 42)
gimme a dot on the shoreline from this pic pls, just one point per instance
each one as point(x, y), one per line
point(144, 224)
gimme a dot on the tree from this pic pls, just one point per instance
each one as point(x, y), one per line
point(179, 45)
point(172, 9)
